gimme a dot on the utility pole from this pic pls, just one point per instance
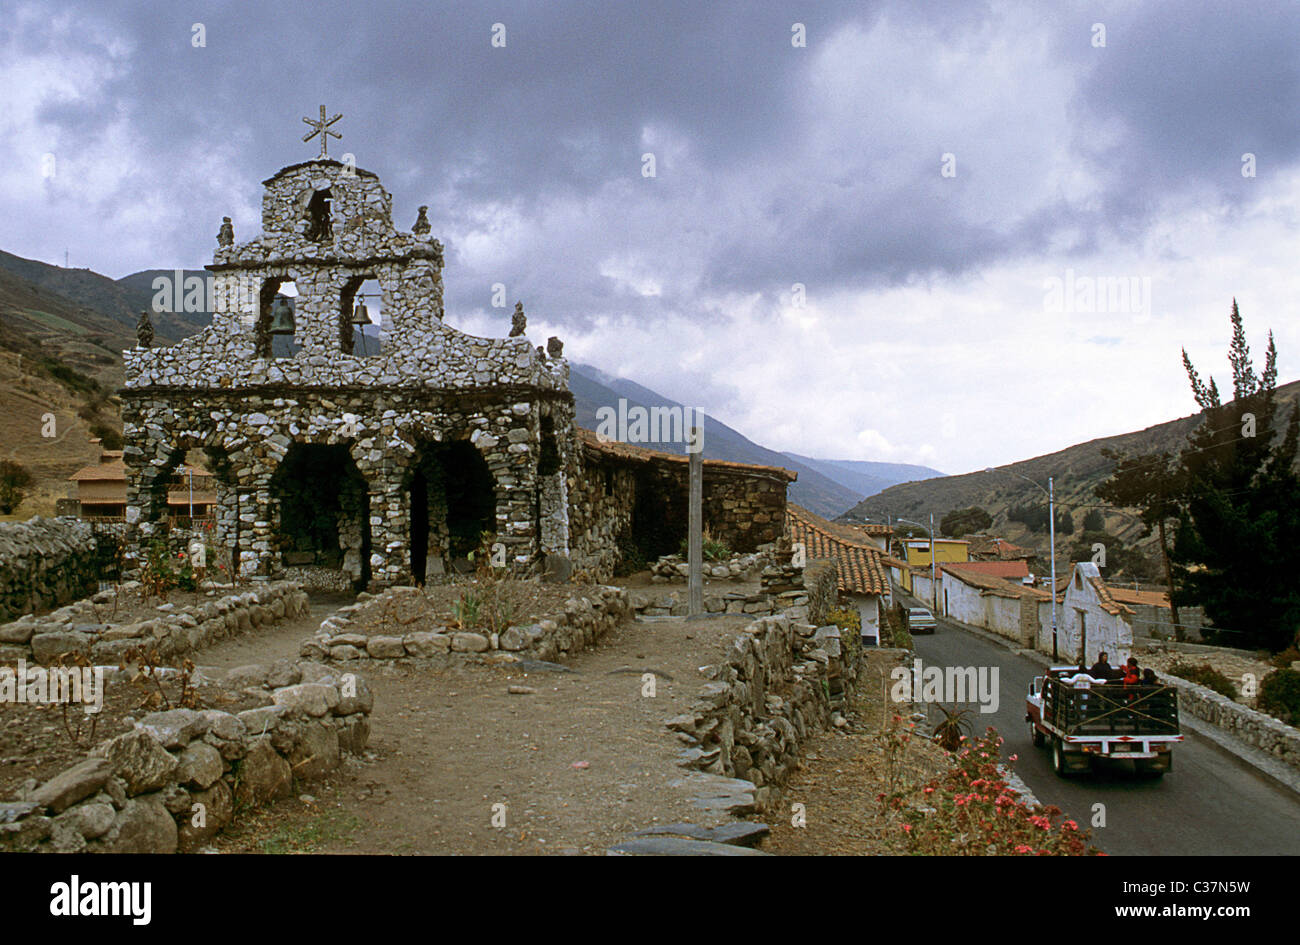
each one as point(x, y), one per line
point(694, 529)
point(934, 587)
point(1051, 518)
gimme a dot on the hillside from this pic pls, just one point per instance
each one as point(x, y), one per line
point(864, 477)
point(593, 388)
point(1077, 471)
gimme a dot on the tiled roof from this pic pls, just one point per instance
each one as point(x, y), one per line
point(861, 568)
point(1108, 603)
point(640, 454)
point(1126, 595)
point(1016, 568)
point(999, 548)
point(113, 470)
point(992, 585)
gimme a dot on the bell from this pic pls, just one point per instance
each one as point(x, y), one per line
point(361, 314)
point(281, 316)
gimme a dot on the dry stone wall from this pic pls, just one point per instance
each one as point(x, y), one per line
point(778, 680)
point(1253, 727)
point(44, 563)
point(180, 776)
point(171, 629)
point(350, 634)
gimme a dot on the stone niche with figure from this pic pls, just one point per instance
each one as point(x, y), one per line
point(382, 451)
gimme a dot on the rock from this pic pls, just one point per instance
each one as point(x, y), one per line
point(17, 632)
point(263, 775)
point(244, 677)
point(200, 766)
point(210, 812)
point(139, 760)
point(354, 733)
point(385, 648)
point(223, 724)
point(78, 782)
point(521, 691)
point(12, 811)
point(464, 642)
point(175, 727)
point(283, 673)
point(47, 647)
point(316, 753)
point(144, 826)
point(355, 695)
point(309, 699)
point(345, 652)
point(425, 644)
point(261, 720)
point(91, 821)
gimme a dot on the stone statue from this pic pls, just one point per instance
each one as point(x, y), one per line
point(518, 321)
point(144, 330)
point(554, 347)
point(421, 227)
point(226, 237)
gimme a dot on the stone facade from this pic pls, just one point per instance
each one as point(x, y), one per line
point(436, 413)
point(44, 563)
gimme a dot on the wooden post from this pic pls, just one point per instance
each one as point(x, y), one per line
point(694, 530)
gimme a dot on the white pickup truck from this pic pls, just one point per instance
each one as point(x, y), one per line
point(1089, 720)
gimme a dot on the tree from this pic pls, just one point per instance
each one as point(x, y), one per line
point(1094, 521)
point(1237, 547)
point(14, 480)
point(965, 522)
point(1153, 485)
point(1120, 561)
point(1064, 522)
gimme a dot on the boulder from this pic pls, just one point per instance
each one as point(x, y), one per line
point(385, 648)
point(210, 812)
point(464, 642)
point(175, 727)
point(310, 699)
point(317, 752)
point(263, 775)
point(425, 644)
point(200, 766)
point(91, 821)
point(78, 782)
point(139, 760)
point(143, 826)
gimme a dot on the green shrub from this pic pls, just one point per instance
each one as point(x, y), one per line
point(1279, 695)
point(1284, 659)
point(1204, 674)
point(713, 550)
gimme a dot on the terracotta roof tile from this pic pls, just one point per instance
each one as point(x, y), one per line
point(861, 567)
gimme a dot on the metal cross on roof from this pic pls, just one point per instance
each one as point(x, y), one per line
point(322, 128)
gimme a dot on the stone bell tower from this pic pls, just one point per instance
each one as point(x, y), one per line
point(386, 467)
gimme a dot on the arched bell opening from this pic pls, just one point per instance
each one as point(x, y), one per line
point(361, 305)
point(276, 324)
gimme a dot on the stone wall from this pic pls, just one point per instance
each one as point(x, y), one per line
point(171, 629)
point(1255, 728)
point(820, 583)
point(180, 776)
point(600, 519)
point(44, 563)
point(348, 634)
point(778, 681)
point(673, 569)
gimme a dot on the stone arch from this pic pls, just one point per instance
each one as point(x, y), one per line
point(453, 499)
point(269, 289)
point(320, 508)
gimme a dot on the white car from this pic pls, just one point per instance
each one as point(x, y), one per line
point(920, 620)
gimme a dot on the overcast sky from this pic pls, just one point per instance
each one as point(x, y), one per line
point(923, 173)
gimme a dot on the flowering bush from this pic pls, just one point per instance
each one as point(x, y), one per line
point(972, 811)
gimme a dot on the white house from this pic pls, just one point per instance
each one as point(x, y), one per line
point(1090, 620)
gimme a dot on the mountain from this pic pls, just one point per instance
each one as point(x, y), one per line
point(1077, 470)
point(864, 477)
point(593, 388)
point(103, 301)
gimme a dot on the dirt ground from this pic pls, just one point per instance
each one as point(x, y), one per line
point(579, 762)
point(842, 773)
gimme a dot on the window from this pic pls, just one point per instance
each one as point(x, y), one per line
point(320, 223)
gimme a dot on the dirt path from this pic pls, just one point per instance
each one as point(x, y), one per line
point(579, 762)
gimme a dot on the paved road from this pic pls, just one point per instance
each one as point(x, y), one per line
point(1211, 803)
